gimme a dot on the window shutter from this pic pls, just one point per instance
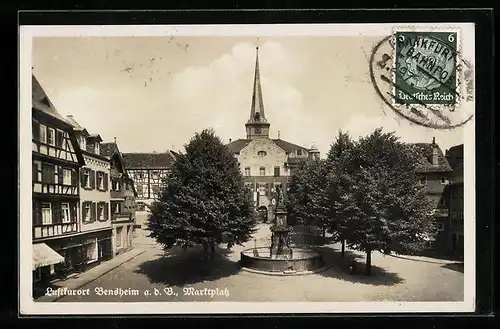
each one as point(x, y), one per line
point(37, 213)
point(105, 183)
point(72, 210)
point(93, 211)
point(59, 138)
point(56, 212)
point(92, 178)
point(52, 170)
point(106, 210)
point(82, 176)
point(35, 173)
point(74, 177)
point(60, 174)
point(36, 129)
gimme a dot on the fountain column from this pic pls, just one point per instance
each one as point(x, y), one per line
point(280, 239)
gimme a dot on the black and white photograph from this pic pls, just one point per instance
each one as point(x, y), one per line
point(247, 168)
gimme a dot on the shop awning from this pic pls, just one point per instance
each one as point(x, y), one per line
point(43, 255)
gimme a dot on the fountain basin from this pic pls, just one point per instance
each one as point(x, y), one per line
point(303, 260)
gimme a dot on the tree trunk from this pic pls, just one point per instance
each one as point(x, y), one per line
point(343, 248)
point(368, 263)
point(212, 250)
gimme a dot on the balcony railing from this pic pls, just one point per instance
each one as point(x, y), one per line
point(47, 231)
point(441, 212)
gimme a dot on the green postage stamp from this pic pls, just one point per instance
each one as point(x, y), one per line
point(426, 67)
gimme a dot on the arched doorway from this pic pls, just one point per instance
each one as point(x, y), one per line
point(262, 214)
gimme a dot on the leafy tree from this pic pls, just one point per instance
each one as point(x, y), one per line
point(205, 201)
point(303, 196)
point(332, 196)
point(384, 207)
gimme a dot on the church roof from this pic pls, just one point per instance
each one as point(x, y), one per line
point(237, 145)
point(425, 165)
point(148, 160)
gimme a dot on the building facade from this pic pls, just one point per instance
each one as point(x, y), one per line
point(148, 172)
point(455, 195)
point(57, 158)
point(94, 197)
point(123, 205)
point(435, 172)
point(265, 163)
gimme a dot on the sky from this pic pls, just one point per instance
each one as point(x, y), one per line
point(154, 93)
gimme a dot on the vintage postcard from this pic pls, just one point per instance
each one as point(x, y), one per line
point(247, 169)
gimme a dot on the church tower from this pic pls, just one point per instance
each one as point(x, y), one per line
point(257, 126)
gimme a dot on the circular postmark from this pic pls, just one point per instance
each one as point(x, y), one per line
point(418, 75)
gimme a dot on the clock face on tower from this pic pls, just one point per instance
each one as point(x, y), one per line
point(257, 130)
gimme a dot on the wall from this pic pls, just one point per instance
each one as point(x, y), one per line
point(275, 157)
point(95, 195)
point(126, 238)
point(434, 188)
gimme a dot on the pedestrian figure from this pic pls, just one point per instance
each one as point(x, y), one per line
point(352, 267)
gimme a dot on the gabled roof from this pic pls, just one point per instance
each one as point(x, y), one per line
point(41, 101)
point(426, 151)
point(148, 160)
point(237, 145)
point(96, 137)
point(109, 148)
point(76, 126)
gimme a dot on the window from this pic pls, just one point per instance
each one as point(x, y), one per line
point(140, 190)
point(66, 177)
point(46, 213)
point(276, 171)
point(423, 180)
point(299, 152)
point(119, 237)
point(96, 148)
point(154, 174)
point(37, 171)
point(139, 175)
point(43, 134)
point(247, 171)
point(440, 227)
point(117, 208)
point(100, 180)
point(444, 180)
point(100, 211)
point(262, 171)
point(91, 250)
point(65, 213)
point(83, 143)
point(86, 211)
point(155, 190)
point(116, 185)
point(51, 136)
point(86, 178)
point(48, 173)
point(261, 154)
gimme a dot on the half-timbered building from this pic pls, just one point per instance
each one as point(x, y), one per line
point(94, 181)
point(149, 172)
point(123, 205)
point(57, 158)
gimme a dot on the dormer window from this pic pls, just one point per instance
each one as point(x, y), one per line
point(299, 152)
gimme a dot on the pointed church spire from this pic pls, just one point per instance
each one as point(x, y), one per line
point(257, 109)
point(257, 126)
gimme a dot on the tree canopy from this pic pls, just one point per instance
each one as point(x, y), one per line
point(205, 201)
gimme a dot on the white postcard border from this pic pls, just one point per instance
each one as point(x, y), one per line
point(29, 307)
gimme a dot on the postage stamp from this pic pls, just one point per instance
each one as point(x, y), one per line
point(185, 169)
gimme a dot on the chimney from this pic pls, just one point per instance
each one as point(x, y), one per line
point(114, 139)
point(278, 134)
point(435, 155)
point(433, 140)
point(230, 140)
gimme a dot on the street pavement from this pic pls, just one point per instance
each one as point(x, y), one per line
point(177, 275)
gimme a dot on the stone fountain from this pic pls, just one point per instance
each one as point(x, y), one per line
point(281, 257)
